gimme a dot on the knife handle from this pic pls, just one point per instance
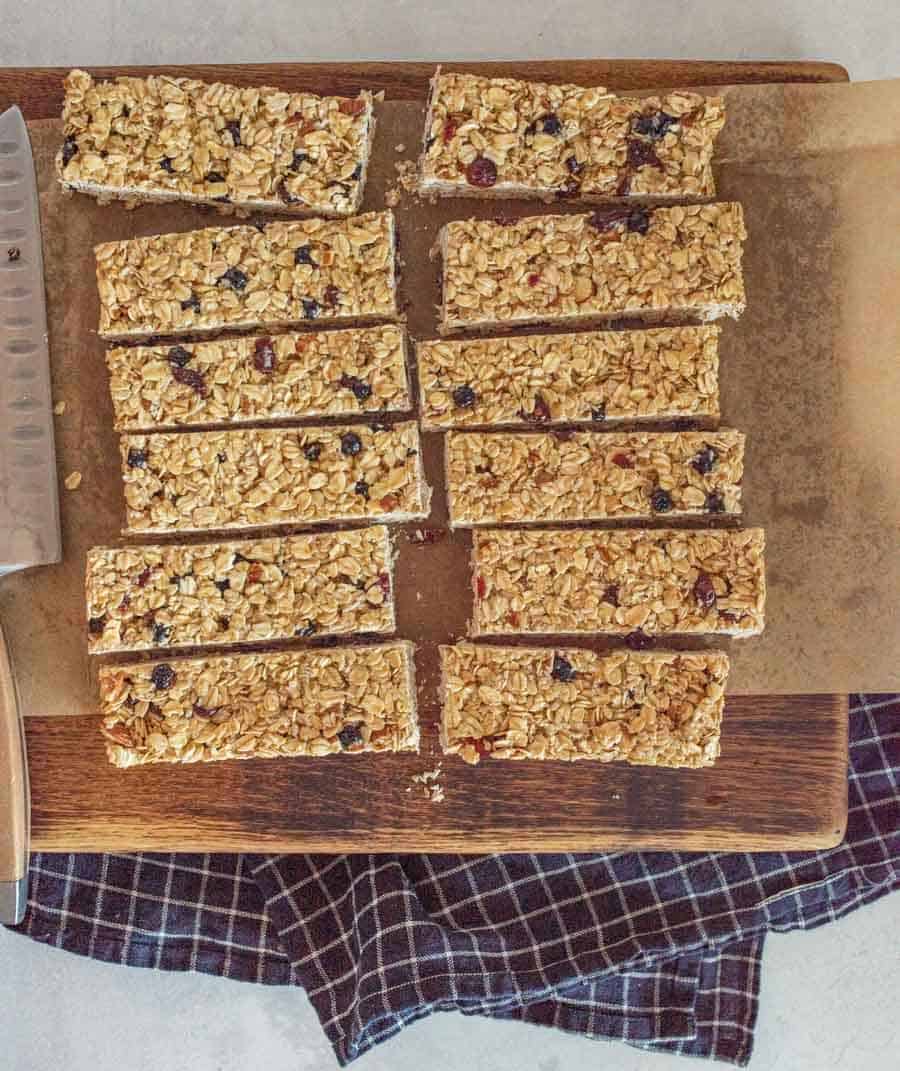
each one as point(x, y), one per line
point(14, 797)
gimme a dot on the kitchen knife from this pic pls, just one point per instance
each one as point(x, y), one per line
point(29, 496)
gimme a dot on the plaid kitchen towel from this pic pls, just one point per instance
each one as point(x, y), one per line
point(660, 950)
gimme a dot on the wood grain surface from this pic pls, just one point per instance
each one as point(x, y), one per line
point(758, 796)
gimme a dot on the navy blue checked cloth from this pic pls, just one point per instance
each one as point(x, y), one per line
point(661, 950)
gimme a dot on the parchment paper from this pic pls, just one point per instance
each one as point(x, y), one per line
point(810, 373)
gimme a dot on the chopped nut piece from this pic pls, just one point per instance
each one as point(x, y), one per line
point(59, 408)
point(510, 477)
point(576, 581)
point(261, 706)
point(655, 709)
point(73, 481)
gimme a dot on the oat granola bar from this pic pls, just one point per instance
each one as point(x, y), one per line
point(279, 273)
point(327, 583)
point(506, 138)
point(261, 706)
point(619, 261)
point(263, 378)
point(650, 708)
point(658, 581)
point(509, 477)
point(601, 377)
point(195, 481)
point(178, 139)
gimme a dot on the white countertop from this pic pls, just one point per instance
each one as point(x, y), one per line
point(828, 996)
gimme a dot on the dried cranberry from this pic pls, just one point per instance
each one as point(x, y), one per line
point(215, 176)
point(166, 164)
point(233, 126)
point(351, 444)
point(163, 676)
point(389, 503)
point(141, 579)
point(704, 592)
point(361, 390)
point(223, 585)
point(638, 640)
point(264, 359)
point(200, 711)
point(705, 460)
point(550, 124)
point(624, 461)
point(384, 582)
point(310, 308)
point(534, 279)
point(352, 106)
point(450, 128)
point(302, 255)
point(312, 451)
point(331, 297)
point(356, 173)
point(161, 633)
point(223, 623)
point(362, 488)
point(69, 149)
point(235, 278)
point(179, 356)
point(480, 587)
point(481, 172)
point(541, 412)
point(153, 709)
point(655, 125)
point(563, 670)
point(309, 629)
point(96, 625)
point(190, 377)
point(639, 220)
point(715, 502)
point(660, 500)
point(193, 302)
point(298, 159)
point(598, 413)
point(611, 594)
point(464, 397)
point(254, 573)
point(126, 601)
point(137, 459)
point(573, 166)
point(350, 736)
point(642, 154)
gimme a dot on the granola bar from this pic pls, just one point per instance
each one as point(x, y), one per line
point(280, 273)
point(261, 706)
point(590, 377)
point(194, 481)
point(683, 260)
point(506, 138)
point(244, 380)
point(649, 708)
point(656, 580)
point(328, 583)
point(178, 139)
point(507, 477)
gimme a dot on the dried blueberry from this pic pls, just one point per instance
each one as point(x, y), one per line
point(312, 451)
point(166, 164)
point(299, 158)
point(660, 500)
point(361, 390)
point(69, 149)
point(606, 219)
point(221, 457)
point(563, 670)
point(464, 397)
point(179, 356)
point(215, 176)
point(190, 377)
point(350, 735)
point(161, 633)
point(481, 172)
point(639, 220)
point(638, 640)
point(704, 460)
point(264, 356)
point(200, 711)
point(704, 591)
point(573, 166)
point(233, 126)
point(611, 594)
point(310, 308)
point(309, 629)
point(223, 623)
point(351, 444)
point(96, 625)
point(598, 413)
point(715, 502)
point(163, 676)
point(302, 256)
point(550, 124)
point(137, 459)
point(223, 585)
point(362, 488)
point(356, 174)
point(142, 577)
point(541, 412)
point(642, 154)
point(655, 125)
point(235, 278)
point(193, 302)
point(331, 297)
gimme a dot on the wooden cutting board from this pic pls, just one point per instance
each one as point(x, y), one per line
point(780, 784)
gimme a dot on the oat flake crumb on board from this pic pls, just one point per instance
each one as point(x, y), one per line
point(73, 481)
point(430, 782)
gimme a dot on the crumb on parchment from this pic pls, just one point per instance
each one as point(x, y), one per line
point(59, 408)
point(430, 782)
point(73, 481)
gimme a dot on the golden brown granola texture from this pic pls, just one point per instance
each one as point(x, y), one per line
point(661, 581)
point(507, 477)
point(247, 591)
point(646, 708)
point(165, 138)
point(570, 140)
point(279, 273)
point(260, 706)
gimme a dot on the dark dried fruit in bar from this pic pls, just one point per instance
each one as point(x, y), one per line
point(179, 356)
point(312, 451)
point(223, 623)
point(223, 585)
point(166, 164)
point(715, 502)
point(190, 377)
point(143, 577)
point(350, 735)
point(331, 297)
point(233, 126)
point(193, 302)
point(464, 397)
point(309, 629)
point(299, 158)
point(264, 356)
point(254, 573)
point(96, 625)
point(638, 641)
point(361, 390)
point(563, 670)
point(215, 176)
point(356, 173)
point(610, 217)
point(660, 500)
point(624, 461)
point(389, 503)
point(598, 413)
point(550, 124)
point(285, 194)
point(221, 457)
point(450, 128)
point(384, 582)
point(641, 154)
point(69, 149)
point(481, 172)
point(639, 220)
point(235, 278)
point(163, 676)
point(540, 414)
point(704, 591)
point(655, 125)
point(534, 279)
point(573, 166)
point(137, 459)
point(611, 594)
point(302, 255)
point(310, 308)
point(704, 460)
point(362, 488)
point(200, 711)
point(480, 587)
point(161, 633)
point(351, 444)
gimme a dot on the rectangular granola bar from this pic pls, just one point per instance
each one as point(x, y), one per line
point(280, 273)
point(261, 706)
point(178, 139)
point(649, 708)
point(194, 481)
point(590, 377)
point(510, 477)
point(619, 261)
point(327, 583)
point(500, 137)
point(658, 581)
point(245, 380)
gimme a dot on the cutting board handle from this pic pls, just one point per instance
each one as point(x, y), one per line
point(14, 797)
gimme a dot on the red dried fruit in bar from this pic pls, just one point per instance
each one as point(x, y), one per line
point(704, 591)
point(356, 106)
point(481, 172)
point(254, 573)
point(480, 587)
point(624, 461)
